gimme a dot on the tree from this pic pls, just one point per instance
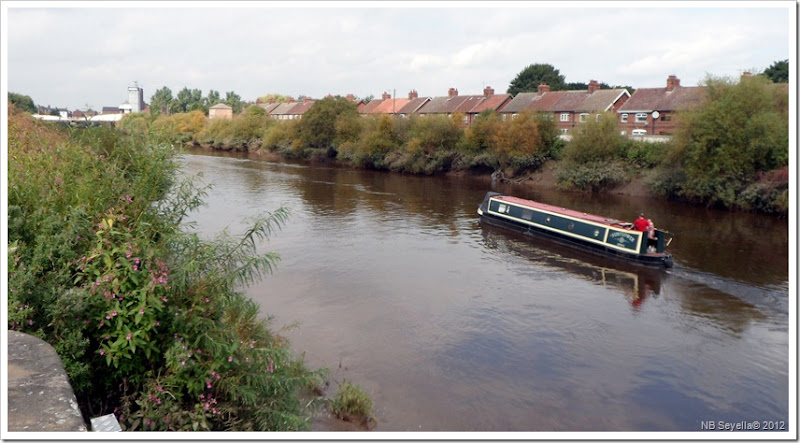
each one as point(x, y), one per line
point(595, 140)
point(233, 100)
point(317, 128)
point(274, 98)
point(161, 100)
point(22, 102)
point(213, 98)
point(187, 100)
point(778, 72)
point(528, 79)
point(741, 131)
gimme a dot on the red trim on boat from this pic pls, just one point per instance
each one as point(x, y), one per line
point(572, 213)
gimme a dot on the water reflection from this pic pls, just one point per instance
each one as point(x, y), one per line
point(452, 325)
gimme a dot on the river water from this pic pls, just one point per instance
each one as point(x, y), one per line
point(390, 281)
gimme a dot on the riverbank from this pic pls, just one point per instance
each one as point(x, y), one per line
point(545, 177)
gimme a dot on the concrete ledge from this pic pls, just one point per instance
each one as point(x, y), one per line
point(40, 398)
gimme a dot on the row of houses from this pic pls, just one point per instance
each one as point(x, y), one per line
point(648, 111)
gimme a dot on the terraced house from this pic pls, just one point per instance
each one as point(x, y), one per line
point(469, 106)
point(651, 111)
point(567, 108)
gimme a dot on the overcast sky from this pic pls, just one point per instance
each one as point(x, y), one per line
point(89, 53)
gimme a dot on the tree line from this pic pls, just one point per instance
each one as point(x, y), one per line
point(731, 152)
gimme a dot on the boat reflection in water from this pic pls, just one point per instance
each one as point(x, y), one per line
point(637, 283)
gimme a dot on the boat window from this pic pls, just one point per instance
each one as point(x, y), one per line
point(547, 220)
point(527, 214)
point(502, 208)
point(571, 226)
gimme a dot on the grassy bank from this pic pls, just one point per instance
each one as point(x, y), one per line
point(150, 321)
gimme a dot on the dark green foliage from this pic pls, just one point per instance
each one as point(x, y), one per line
point(187, 100)
point(528, 79)
point(592, 176)
point(778, 72)
point(741, 131)
point(22, 102)
point(317, 128)
point(161, 101)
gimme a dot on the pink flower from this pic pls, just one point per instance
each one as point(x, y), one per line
point(183, 363)
point(114, 313)
point(141, 311)
point(108, 317)
point(128, 337)
point(207, 300)
point(230, 358)
point(102, 352)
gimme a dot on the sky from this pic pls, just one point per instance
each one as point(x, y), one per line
point(85, 54)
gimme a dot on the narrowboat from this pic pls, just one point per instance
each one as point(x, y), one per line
point(586, 231)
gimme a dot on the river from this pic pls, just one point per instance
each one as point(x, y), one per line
point(390, 281)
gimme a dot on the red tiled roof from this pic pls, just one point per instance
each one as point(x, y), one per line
point(493, 102)
point(546, 101)
point(367, 109)
point(659, 99)
point(389, 106)
point(520, 102)
point(300, 108)
point(442, 105)
point(413, 105)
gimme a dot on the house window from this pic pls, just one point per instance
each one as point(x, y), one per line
point(564, 131)
point(565, 117)
point(641, 117)
point(624, 118)
point(666, 117)
point(583, 117)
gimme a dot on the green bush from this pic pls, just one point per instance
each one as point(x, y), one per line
point(149, 320)
point(595, 176)
point(595, 140)
point(351, 402)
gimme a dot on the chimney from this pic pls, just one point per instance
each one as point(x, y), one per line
point(672, 82)
point(290, 100)
point(452, 92)
point(593, 86)
point(386, 96)
point(351, 97)
point(487, 91)
point(543, 88)
point(412, 94)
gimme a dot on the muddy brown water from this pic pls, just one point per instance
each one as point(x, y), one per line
point(390, 281)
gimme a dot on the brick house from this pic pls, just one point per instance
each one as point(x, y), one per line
point(467, 105)
point(568, 108)
point(415, 102)
point(652, 110)
point(220, 111)
point(282, 111)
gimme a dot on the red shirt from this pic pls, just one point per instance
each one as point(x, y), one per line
point(640, 224)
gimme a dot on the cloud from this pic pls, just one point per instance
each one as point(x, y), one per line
point(312, 50)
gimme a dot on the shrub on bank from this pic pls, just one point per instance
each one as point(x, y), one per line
point(593, 177)
point(149, 320)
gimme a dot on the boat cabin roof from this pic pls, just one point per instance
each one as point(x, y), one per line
point(569, 212)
